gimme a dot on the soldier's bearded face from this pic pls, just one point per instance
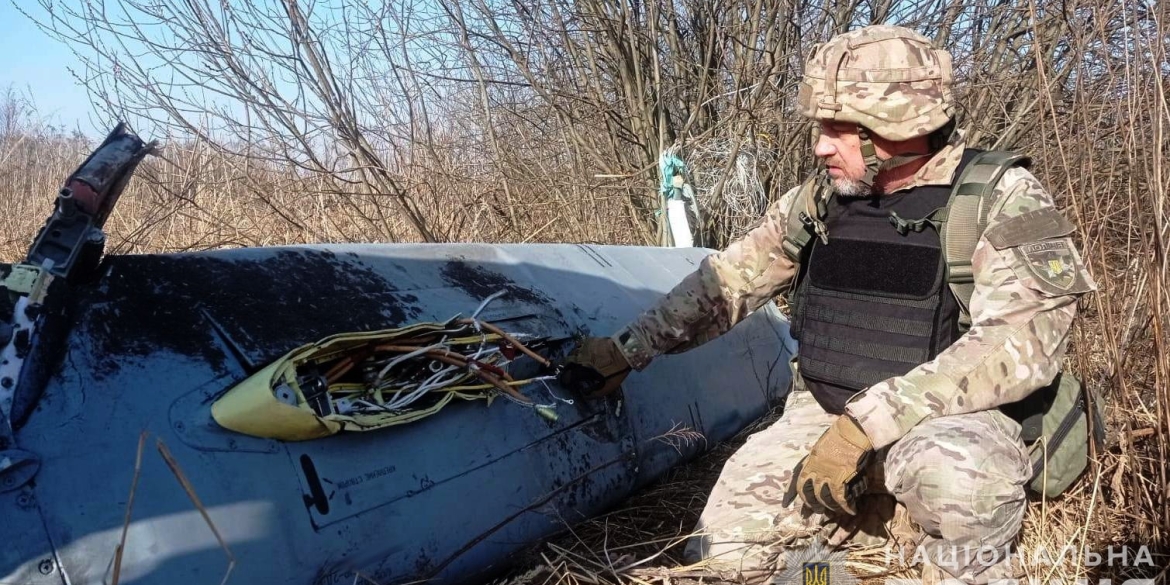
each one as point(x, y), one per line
point(839, 147)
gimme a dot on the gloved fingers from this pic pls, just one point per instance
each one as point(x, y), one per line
point(842, 496)
point(580, 379)
point(829, 497)
point(587, 382)
point(808, 493)
point(599, 353)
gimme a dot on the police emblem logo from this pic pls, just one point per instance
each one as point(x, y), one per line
point(814, 565)
point(816, 573)
point(1051, 262)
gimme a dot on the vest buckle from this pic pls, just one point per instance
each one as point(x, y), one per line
point(905, 226)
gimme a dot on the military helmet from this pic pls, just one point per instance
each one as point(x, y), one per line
point(888, 79)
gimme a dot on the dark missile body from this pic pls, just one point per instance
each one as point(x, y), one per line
point(152, 340)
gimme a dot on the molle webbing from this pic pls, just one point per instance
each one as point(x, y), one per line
point(870, 322)
point(877, 351)
point(848, 375)
point(912, 303)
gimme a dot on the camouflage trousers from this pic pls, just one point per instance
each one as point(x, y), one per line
point(953, 484)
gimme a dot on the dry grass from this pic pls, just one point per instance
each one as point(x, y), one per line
point(642, 542)
point(1119, 347)
point(164, 452)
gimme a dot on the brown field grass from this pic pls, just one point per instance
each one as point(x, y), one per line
point(188, 200)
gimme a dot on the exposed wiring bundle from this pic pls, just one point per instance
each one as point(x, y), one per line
point(467, 358)
point(370, 380)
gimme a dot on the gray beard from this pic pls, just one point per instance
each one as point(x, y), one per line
point(851, 188)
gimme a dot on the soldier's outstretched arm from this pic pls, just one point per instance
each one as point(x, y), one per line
point(1028, 277)
point(726, 287)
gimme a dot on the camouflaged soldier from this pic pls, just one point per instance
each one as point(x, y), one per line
point(898, 380)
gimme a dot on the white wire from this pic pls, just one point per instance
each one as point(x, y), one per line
point(482, 343)
point(550, 391)
point(406, 356)
point(409, 393)
point(492, 297)
point(371, 406)
point(431, 383)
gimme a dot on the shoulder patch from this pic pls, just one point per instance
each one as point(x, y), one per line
point(1055, 266)
point(1030, 226)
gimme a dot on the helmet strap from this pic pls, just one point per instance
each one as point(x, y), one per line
point(869, 153)
point(874, 165)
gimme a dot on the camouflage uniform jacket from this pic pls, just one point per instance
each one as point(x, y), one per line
point(1028, 277)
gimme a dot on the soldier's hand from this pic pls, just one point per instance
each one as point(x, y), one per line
point(831, 478)
point(595, 368)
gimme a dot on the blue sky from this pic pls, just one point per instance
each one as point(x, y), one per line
point(34, 64)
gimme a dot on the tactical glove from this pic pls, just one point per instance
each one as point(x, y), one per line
point(831, 478)
point(595, 368)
